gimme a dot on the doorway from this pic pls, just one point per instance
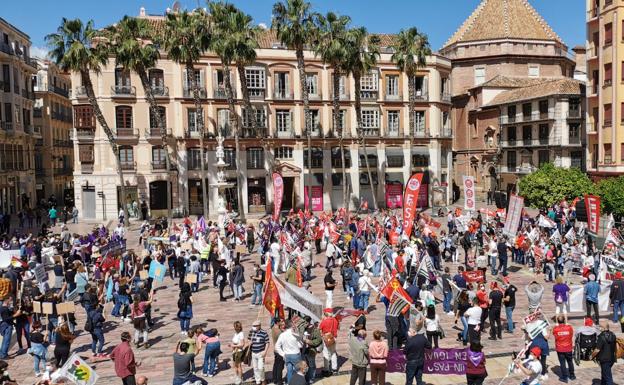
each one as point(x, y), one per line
point(290, 199)
point(88, 202)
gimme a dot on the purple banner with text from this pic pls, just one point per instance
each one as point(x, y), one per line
point(437, 361)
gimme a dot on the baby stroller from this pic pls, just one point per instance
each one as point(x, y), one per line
point(584, 345)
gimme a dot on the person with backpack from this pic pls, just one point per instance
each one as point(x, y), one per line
point(605, 353)
point(94, 325)
point(185, 308)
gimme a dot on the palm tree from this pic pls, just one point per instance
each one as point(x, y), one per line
point(362, 55)
point(235, 42)
point(411, 49)
point(294, 25)
point(330, 47)
point(74, 49)
point(135, 51)
point(185, 37)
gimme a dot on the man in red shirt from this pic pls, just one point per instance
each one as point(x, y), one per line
point(123, 356)
point(564, 336)
point(329, 331)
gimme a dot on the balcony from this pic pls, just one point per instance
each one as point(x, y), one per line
point(342, 97)
point(192, 133)
point(592, 13)
point(420, 132)
point(370, 132)
point(575, 114)
point(529, 142)
point(392, 132)
point(156, 133)
point(526, 169)
point(447, 132)
point(59, 91)
point(421, 95)
point(189, 93)
point(282, 95)
point(248, 132)
point(37, 113)
point(369, 95)
point(6, 48)
point(86, 168)
point(314, 97)
point(85, 134)
point(220, 93)
point(160, 165)
point(160, 91)
point(316, 131)
point(284, 133)
point(63, 171)
point(128, 165)
point(127, 133)
point(607, 122)
point(446, 97)
point(7, 126)
point(28, 94)
point(123, 91)
point(574, 140)
point(393, 98)
point(534, 116)
point(607, 83)
point(257, 93)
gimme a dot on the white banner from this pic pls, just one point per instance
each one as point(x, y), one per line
point(577, 298)
point(299, 299)
point(546, 222)
point(78, 371)
point(556, 237)
point(514, 213)
point(470, 199)
point(534, 235)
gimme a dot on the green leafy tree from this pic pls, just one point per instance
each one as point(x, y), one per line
point(611, 192)
point(75, 48)
point(549, 185)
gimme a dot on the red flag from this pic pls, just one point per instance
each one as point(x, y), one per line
point(334, 235)
point(299, 275)
point(269, 267)
point(394, 237)
point(392, 286)
point(271, 299)
point(410, 199)
point(278, 191)
point(592, 205)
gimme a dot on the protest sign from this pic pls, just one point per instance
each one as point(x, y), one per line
point(40, 273)
point(78, 371)
point(437, 361)
point(512, 222)
point(473, 276)
point(410, 199)
point(36, 307)
point(278, 194)
point(65, 307)
point(191, 278)
point(47, 308)
point(242, 249)
point(157, 271)
point(143, 275)
point(592, 205)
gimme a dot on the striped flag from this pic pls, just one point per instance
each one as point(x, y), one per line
point(571, 235)
point(425, 265)
point(556, 237)
point(397, 304)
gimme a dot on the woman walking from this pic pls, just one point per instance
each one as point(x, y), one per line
point(238, 345)
point(212, 351)
point(378, 353)
point(463, 304)
point(475, 365)
point(64, 339)
point(39, 347)
point(432, 325)
point(185, 308)
point(237, 278)
point(138, 319)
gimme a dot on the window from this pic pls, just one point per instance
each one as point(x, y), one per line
point(511, 160)
point(608, 159)
point(6, 77)
point(446, 120)
point(511, 135)
point(420, 160)
point(574, 108)
point(158, 155)
point(394, 158)
point(283, 122)
point(608, 34)
point(370, 119)
point(527, 109)
point(223, 121)
point(126, 155)
point(260, 117)
point(255, 158)
point(511, 113)
point(8, 112)
point(527, 135)
point(479, 75)
point(282, 85)
point(393, 122)
point(336, 158)
point(419, 123)
point(122, 78)
point(576, 159)
point(16, 87)
point(162, 111)
point(372, 159)
point(194, 158)
point(314, 122)
point(534, 71)
point(392, 86)
point(84, 117)
point(193, 119)
point(543, 156)
point(312, 84)
point(420, 87)
point(157, 79)
point(608, 73)
point(369, 85)
point(543, 133)
point(123, 116)
point(256, 82)
point(188, 79)
point(607, 114)
point(283, 153)
point(543, 108)
point(364, 179)
point(341, 120)
point(230, 158)
point(317, 157)
point(575, 133)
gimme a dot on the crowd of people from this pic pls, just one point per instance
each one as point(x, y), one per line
point(461, 272)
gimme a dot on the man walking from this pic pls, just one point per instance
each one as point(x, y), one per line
point(592, 289)
point(259, 342)
point(564, 334)
point(289, 346)
point(123, 357)
point(358, 348)
point(617, 297)
point(415, 357)
point(605, 353)
point(509, 299)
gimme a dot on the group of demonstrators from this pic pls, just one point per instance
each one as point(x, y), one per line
point(59, 285)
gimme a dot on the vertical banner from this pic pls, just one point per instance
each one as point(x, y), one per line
point(278, 192)
point(409, 202)
point(592, 205)
point(394, 193)
point(514, 214)
point(317, 198)
point(469, 193)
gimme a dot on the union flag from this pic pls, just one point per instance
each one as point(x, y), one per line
point(392, 286)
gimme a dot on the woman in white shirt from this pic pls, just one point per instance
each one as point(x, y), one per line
point(237, 345)
point(426, 296)
point(473, 318)
point(432, 324)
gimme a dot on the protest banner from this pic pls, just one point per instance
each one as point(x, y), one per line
point(395, 362)
point(512, 221)
point(410, 199)
point(156, 240)
point(577, 298)
point(242, 249)
point(115, 247)
point(612, 266)
point(191, 278)
point(157, 271)
point(78, 371)
point(278, 194)
point(470, 203)
point(6, 257)
point(544, 221)
point(65, 308)
point(437, 361)
point(40, 273)
point(535, 323)
point(473, 276)
point(592, 205)
point(299, 299)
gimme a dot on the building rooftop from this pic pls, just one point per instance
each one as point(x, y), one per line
point(546, 87)
point(503, 19)
point(502, 81)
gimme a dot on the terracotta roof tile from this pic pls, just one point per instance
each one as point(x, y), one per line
point(503, 19)
point(565, 86)
point(502, 81)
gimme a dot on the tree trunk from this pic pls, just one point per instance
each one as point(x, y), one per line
point(229, 93)
point(149, 95)
point(340, 131)
point(411, 91)
point(307, 118)
point(249, 109)
point(358, 119)
point(199, 123)
point(86, 81)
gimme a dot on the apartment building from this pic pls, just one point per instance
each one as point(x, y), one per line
point(54, 153)
point(605, 96)
point(394, 152)
point(17, 168)
point(503, 45)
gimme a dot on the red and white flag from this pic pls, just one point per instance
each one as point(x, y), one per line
point(410, 199)
point(592, 205)
point(278, 190)
point(470, 202)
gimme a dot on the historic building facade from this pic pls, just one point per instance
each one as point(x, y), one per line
point(394, 152)
point(54, 155)
point(17, 166)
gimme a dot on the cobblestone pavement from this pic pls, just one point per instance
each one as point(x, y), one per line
point(156, 362)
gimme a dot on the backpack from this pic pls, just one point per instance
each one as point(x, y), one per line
point(88, 327)
point(181, 303)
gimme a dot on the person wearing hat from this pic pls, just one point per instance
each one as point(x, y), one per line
point(530, 367)
point(617, 297)
point(259, 343)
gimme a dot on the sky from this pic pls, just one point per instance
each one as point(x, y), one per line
point(439, 19)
